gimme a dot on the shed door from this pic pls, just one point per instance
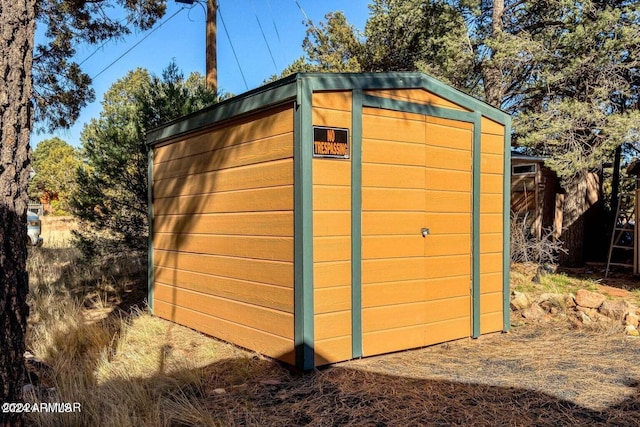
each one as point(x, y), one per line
point(416, 174)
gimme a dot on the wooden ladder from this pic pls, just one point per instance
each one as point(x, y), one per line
point(623, 241)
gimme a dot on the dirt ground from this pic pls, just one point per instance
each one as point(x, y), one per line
point(541, 374)
point(533, 376)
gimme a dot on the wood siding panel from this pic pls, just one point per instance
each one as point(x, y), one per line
point(261, 294)
point(491, 163)
point(447, 158)
point(271, 345)
point(331, 223)
point(330, 274)
point(271, 174)
point(492, 282)
point(491, 263)
point(491, 242)
point(332, 172)
point(334, 324)
point(491, 203)
point(395, 293)
point(491, 223)
point(223, 231)
point(491, 302)
point(397, 199)
point(258, 247)
point(243, 223)
point(394, 317)
point(275, 121)
point(391, 223)
point(270, 272)
point(254, 200)
point(491, 183)
point(389, 340)
point(331, 198)
point(392, 270)
point(265, 150)
point(332, 248)
point(392, 153)
point(332, 350)
point(333, 100)
point(411, 282)
point(491, 127)
point(330, 300)
point(272, 321)
point(331, 179)
point(394, 176)
point(419, 96)
point(331, 117)
point(491, 322)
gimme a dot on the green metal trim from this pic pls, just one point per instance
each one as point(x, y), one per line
point(303, 228)
point(286, 89)
point(410, 107)
point(506, 229)
point(150, 257)
point(404, 80)
point(477, 153)
point(474, 118)
point(356, 223)
point(267, 96)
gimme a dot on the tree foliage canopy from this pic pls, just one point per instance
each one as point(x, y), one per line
point(55, 163)
point(61, 88)
point(113, 187)
point(566, 70)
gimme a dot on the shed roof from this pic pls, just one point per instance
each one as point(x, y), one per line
point(293, 86)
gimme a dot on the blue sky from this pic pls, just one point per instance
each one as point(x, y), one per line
point(182, 37)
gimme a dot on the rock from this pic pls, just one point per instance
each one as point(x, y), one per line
point(219, 391)
point(631, 331)
point(552, 303)
point(569, 301)
point(632, 319)
point(588, 299)
point(584, 318)
point(615, 309)
point(519, 301)
point(549, 297)
point(533, 312)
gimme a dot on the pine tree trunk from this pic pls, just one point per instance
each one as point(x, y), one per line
point(491, 71)
point(17, 25)
point(582, 200)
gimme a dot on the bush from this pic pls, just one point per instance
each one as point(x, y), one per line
point(526, 247)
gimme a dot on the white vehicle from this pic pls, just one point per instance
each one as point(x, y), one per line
point(34, 228)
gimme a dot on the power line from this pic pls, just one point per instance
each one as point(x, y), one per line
point(101, 46)
point(232, 48)
point(275, 27)
point(140, 41)
point(264, 36)
point(301, 10)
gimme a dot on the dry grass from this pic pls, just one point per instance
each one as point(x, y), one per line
point(128, 368)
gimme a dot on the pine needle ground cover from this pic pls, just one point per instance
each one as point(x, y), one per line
point(95, 346)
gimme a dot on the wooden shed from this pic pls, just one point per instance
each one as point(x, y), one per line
point(326, 217)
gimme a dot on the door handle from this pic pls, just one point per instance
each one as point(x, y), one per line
point(425, 232)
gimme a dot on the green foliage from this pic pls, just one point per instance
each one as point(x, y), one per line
point(331, 46)
point(567, 70)
point(61, 88)
point(55, 163)
point(112, 187)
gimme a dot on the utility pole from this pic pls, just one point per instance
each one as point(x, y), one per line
point(212, 51)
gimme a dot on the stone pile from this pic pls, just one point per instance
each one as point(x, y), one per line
point(583, 308)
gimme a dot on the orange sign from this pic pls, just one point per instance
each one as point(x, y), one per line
point(330, 142)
